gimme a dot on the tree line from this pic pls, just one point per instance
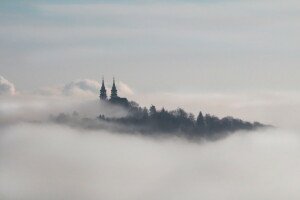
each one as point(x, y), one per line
point(153, 121)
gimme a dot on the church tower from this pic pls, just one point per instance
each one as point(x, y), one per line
point(103, 95)
point(114, 92)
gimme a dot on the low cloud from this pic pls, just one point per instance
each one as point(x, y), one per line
point(46, 161)
point(14, 110)
point(124, 89)
point(41, 159)
point(6, 87)
point(81, 87)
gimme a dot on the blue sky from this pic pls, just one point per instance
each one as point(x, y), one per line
point(154, 46)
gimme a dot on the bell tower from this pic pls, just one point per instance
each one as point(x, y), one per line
point(114, 91)
point(103, 95)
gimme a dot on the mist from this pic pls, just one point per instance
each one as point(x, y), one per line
point(45, 159)
point(22, 108)
point(50, 161)
point(201, 72)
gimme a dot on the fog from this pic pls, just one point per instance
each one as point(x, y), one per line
point(41, 159)
point(38, 108)
point(48, 161)
point(225, 58)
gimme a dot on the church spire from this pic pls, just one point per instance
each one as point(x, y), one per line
point(114, 91)
point(103, 95)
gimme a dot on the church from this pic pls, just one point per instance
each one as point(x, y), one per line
point(114, 98)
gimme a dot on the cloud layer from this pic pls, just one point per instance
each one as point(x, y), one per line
point(44, 161)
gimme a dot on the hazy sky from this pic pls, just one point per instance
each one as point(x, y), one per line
point(223, 57)
point(153, 46)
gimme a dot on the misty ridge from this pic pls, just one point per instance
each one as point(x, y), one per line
point(116, 114)
point(111, 148)
point(154, 122)
point(181, 123)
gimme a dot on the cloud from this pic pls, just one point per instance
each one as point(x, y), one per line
point(6, 87)
point(28, 108)
point(87, 88)
point(268, 107)
point(44, 161)
point(124, 89)
point(82, 87)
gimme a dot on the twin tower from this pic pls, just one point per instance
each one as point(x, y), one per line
point(114, 91)
point(114, 98)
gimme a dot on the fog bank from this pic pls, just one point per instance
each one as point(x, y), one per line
point(36, 108)
point(52, 162)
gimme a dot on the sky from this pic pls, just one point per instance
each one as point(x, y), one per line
point(154, 46)
point(234, 57)
point(223, 57)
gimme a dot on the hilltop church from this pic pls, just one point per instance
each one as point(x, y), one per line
point(114, 98)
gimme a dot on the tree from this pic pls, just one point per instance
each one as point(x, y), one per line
point(200, 120)
point(133, 104)
point(152, 110)
point(180, 113)
point(191, 117)
point(145, 112)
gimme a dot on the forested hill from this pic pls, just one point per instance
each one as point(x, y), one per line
point(178, 122)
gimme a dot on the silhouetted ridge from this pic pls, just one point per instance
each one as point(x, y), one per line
point(176, 122)
point(179, 122)
point(152, 122)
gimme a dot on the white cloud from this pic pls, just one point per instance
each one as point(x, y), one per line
point(82, 87)
point(6, 87)
point(124, 89)
point(42, 161)
point(87, 88)
point(38, 108)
